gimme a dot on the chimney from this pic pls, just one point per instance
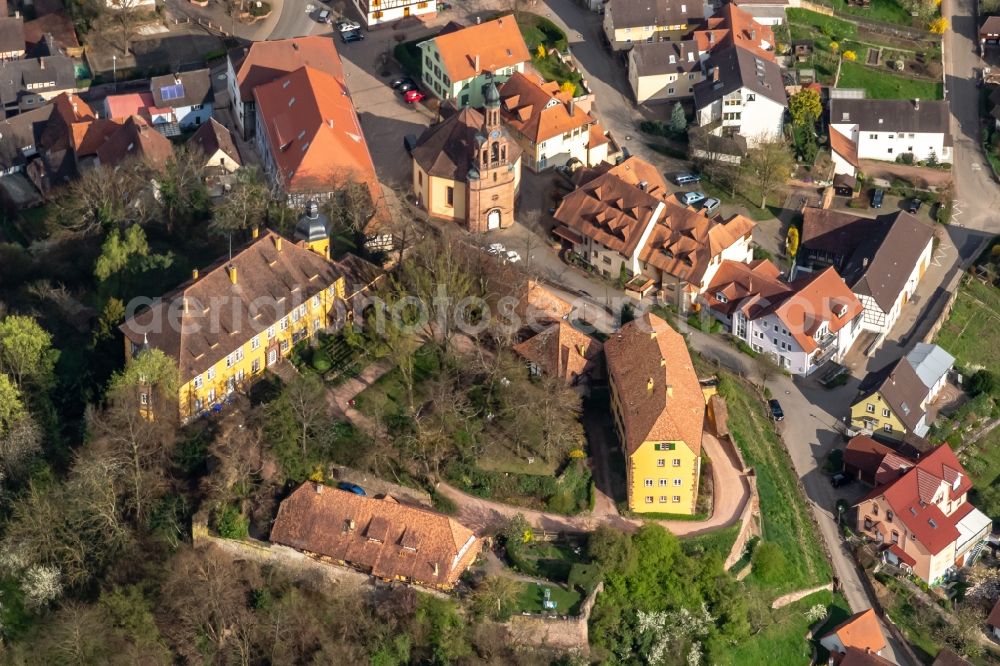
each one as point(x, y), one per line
point(652, 335)
point(715, 74)
point(711, 37)
point(435, 568)
point(663, 364)
point(864, 263)
point(479, 20)
point(670, 389)
point(350, 524)
point(916, 104)
point(572, 107)
point(177, 78)
point(477, 63)
point(41, 63)
point(649, 385)
point(184, 303)
point(318, 487)
point(231, 270)
point(295, 46)
point(255, 233)
point(753, 35)
point(277, 242)
point(194, 274)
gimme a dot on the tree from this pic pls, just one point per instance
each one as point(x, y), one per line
point(112, 315)
point(105, 197)
point(767, 367)
point(181, 187)
point(678, 120)
point(124, 256)
point(125, 14)
point(496, 597)
point(11, 406)
point(306, 397)
point(612, 549)
point(768, 562)
point(767, 166)
point(850, 56)
point(792, 241)
point(244, 205)
point(806, 146)
point(938, 26)
point(151, 372)
point(981, 382)
point(805, 107)
point(20, 445)
point(26, 352)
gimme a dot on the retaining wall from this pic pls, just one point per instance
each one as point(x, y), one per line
point(564, 633)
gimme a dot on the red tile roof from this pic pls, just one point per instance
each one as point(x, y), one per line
point(263, 62)
point(747, 287)
point(818, 298)
point(135, 138)
point(380, 535)
point(314, 133)
point(861, 631)
point(844, 147)
point(901, 555)
point(911, 498)
point(120, 107)
point(562, 351)
point(734, 26)
point(491, 45)
point(877, 462)
point(540, 110)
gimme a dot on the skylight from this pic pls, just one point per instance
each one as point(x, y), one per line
point(172, 92)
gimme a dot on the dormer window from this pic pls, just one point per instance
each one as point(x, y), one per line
point(719, 296)
point(956, 482)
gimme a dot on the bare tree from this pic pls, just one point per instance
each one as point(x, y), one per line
point(104, 197)
point(306, 396)
point(126, 16)
point(244, 205)
point(768, 166)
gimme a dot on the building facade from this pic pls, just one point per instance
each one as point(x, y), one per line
point(884, 129)
point(627, 22)
point(380, 12)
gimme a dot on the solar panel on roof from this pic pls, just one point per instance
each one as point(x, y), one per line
point(175, 91)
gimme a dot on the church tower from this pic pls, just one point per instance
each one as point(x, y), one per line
point(313, 230)
point(493, 173)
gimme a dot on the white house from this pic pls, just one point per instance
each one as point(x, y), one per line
point(932, 365)
point(378, 12)
point(802, 324)
point(861, 631)
point(188, 96)
point(882, 260)
point(628, 22)
point(458, 66)
point(664, 71)
point(550, 125)
point(743, 93)
point(884, 129)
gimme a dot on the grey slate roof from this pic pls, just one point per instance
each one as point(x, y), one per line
point(22, 132)
point(11, 34)
point(15, 75)
point(893, 115)
point(881, 264)
point(447, 150)
point(930, 362)
point(739, 68)
point(652, 59)
point(902, 390)
point(639, 13)
point(195, 88)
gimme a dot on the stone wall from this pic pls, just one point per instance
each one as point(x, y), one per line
point(750, 516)
point(560, 632)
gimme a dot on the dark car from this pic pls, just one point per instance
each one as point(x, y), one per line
point(877, 197)
point(443, 6)
point(687, 178)
point(410, 142)
point(352, 36)
point(351, 488)
point(840, 479)
point(403, 80)
point(913, 205)
point(405, 87)
point(776, 412)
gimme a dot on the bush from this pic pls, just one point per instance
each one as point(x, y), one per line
point(259, 9)
point(981, 382)
point(768, 563)
point(230, 523)
point(321, 362)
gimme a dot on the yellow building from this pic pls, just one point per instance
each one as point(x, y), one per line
point(659, 411)
point(891, 402)
point(228, 324)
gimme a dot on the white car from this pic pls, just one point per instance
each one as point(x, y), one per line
point(347, 26)
point(513, 257)
point(495, 249)
point(690, 198)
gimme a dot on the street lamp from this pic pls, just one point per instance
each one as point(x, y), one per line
point(114, 70)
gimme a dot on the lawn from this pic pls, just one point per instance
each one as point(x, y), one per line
point(784, 641)
point(972, 332)
point(787, 521)
point(887, 11)
point(549, 560)
point(883, 85)
point(829, 26)
point(387, 396)
point(539, 30)
point(531, 597)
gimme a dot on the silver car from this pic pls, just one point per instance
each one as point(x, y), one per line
point(691, 198)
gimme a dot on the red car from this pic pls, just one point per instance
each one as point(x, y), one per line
point(413, 96)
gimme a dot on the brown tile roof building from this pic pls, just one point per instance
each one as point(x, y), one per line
point(818, 298)
point(857, 657)
point(135, 139)
point(562, 351)
point(844, 147)
point(485, 47)
point(59, 25)
point(662, 13)
point(314, 141)
point(12, 35)
point(747, 288)
point(661, 399)
point(948, 658)
point(540, 110)
point(263, 62)
point(212, 137)
point(734, 26)
point(213, 315)
point(390, 540)
point(449, 148)
point(874, 463)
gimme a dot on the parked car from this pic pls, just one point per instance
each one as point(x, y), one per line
point(413, 96)
point(405, 86)
point(513, 257)
point(443, 6)
point(777, 413)
point(690, 198)
point(840, 479)
point(402, 81)
point(686, 178)
point(710, 205)
point(323, 16)
point(351, 488)
point(913, 205)
point(344, 25)
point(352, 36)
point(496, 249)
point(877, 197)
point(410, 142)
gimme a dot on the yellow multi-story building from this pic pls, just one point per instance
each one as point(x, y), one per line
point(891, 402)
point(659, 411)
point(228, 324)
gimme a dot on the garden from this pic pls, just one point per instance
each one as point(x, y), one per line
point(544, 40)
point(868, 59)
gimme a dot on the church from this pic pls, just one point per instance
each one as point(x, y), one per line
point(466, 168)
